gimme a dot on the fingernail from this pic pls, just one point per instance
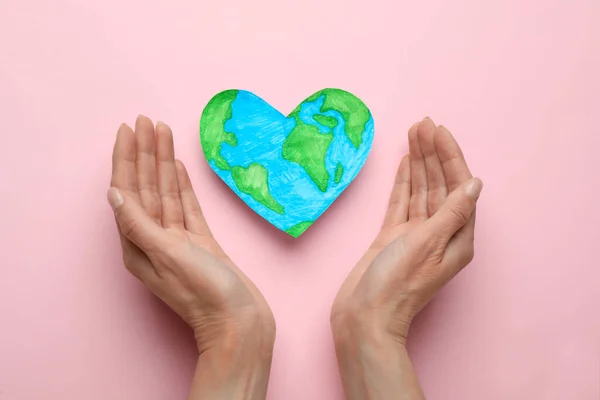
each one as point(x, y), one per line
point(162, 126)
point(115, 198)
point(122, 127)
point(474, 188)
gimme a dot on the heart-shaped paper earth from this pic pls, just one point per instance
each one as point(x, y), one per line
point(287, 169)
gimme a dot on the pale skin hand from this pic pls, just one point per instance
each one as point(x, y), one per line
point(426, 239)
point(166, 243)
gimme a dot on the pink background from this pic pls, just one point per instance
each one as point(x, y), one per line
point(516, 81)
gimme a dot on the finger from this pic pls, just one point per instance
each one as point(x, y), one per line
point(456, 210)
point(134, 223)
point(418, 195)
point(460, 248)
point(192, 213)
point(136, 261)
point(124, 176)
point(171, 212)
point(454, 165)
point(436, 181)
point(146, 167)
point(397, 212)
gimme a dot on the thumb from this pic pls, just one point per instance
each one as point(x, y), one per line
point(133, 221)
point(457, 209)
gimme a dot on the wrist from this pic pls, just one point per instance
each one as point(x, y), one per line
point(356, 323)
point(251, 327)
point(231, 373)
point(234, 355)
point(237, 364)
point(354, 335)
point(373, 363)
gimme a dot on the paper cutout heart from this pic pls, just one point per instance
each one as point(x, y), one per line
point(289, 170)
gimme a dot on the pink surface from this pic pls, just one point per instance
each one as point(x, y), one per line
point(516, 81)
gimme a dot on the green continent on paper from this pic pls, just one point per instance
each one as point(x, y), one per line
point(212, 132)
point(355, 113)
point(325, 120)
point(307, 146)
point(339, 171)
point(253, 181)
point(353, 110)
point(299, 229)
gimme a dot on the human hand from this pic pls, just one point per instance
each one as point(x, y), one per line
point(426, 239)
point(167, 244)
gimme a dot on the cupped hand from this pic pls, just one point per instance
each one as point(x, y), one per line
point(167, 244)
point(426, 239)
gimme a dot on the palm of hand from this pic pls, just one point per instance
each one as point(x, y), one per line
point(165, 239)
point(426, 238)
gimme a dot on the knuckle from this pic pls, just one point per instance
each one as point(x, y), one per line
point(467, 255)
point(197, 214)
point(130, 227)
point(470, 254)
point(394, 201)
point(128, 259)
point(130, 264)
point(460, 213)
